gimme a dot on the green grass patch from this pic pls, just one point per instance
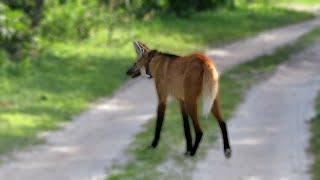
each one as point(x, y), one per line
point(304, 2)
point(39, 93)
point(276, 2)
point(315, 141)
point(144, 163)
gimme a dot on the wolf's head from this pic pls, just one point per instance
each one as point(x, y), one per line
point(139, 67)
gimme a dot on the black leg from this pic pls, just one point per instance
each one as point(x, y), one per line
point(193, 112)
point(226, 145)
point(223, 127)
point(160, 116)
point(186, 127)
point(196, 143)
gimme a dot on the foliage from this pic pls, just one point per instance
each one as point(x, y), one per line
point(15, 35)
point(275, 2)
point(22, 5)
point(315, 141)
point(71, 20)
point(32, 8)
point(76, 18)
point(181, 7)
point(34, 91)
point(314, 147)
point(142, 8)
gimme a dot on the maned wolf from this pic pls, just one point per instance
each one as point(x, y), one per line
point(185, 78)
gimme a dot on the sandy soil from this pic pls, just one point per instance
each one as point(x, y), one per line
point(269, 133)
point(87, 146)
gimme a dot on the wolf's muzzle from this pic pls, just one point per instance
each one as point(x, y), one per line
point(133, 72)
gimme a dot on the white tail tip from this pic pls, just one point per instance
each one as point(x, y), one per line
point(207, 105)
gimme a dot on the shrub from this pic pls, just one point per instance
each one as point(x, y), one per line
point(72, 20)
point(15, 33)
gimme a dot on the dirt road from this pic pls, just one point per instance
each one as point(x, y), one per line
point(269, 133)
point(85, 147)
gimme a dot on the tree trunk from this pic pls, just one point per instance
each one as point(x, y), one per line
point(37, 13)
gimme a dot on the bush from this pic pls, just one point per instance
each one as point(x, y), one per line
point(140, 8)
point(15, 33)
point(3, 58)
point(72, 20)
point(186, 7)
point(33, 9)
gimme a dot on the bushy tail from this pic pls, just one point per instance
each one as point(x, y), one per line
point(209, 88)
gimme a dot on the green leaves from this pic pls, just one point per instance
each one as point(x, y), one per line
point(15, 34)
point(72, 20)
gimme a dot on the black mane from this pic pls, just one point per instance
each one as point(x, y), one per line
point(171, 56)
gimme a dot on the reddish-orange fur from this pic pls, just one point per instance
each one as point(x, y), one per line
point(185, 78)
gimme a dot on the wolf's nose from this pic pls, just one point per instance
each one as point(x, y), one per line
point(129, 72)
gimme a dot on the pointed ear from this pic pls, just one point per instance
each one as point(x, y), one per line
point(144, 47)
point(138, 49)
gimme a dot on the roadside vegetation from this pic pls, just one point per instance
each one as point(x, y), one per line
point(315, 141)
point(304, 2)
point(148, 164)
point(58, 56)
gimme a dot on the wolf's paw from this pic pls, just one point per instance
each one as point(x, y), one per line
point(227, 153)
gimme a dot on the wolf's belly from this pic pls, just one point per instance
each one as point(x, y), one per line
point(176, 90)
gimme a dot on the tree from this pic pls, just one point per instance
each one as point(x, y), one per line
point(185, 7)
point(33, 8)
point(15, 34)
point(36, 13)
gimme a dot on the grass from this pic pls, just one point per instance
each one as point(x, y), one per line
point(40, 93)
point(306, 2)
point(277, 2)
point(315, 141)
point(148, 164)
